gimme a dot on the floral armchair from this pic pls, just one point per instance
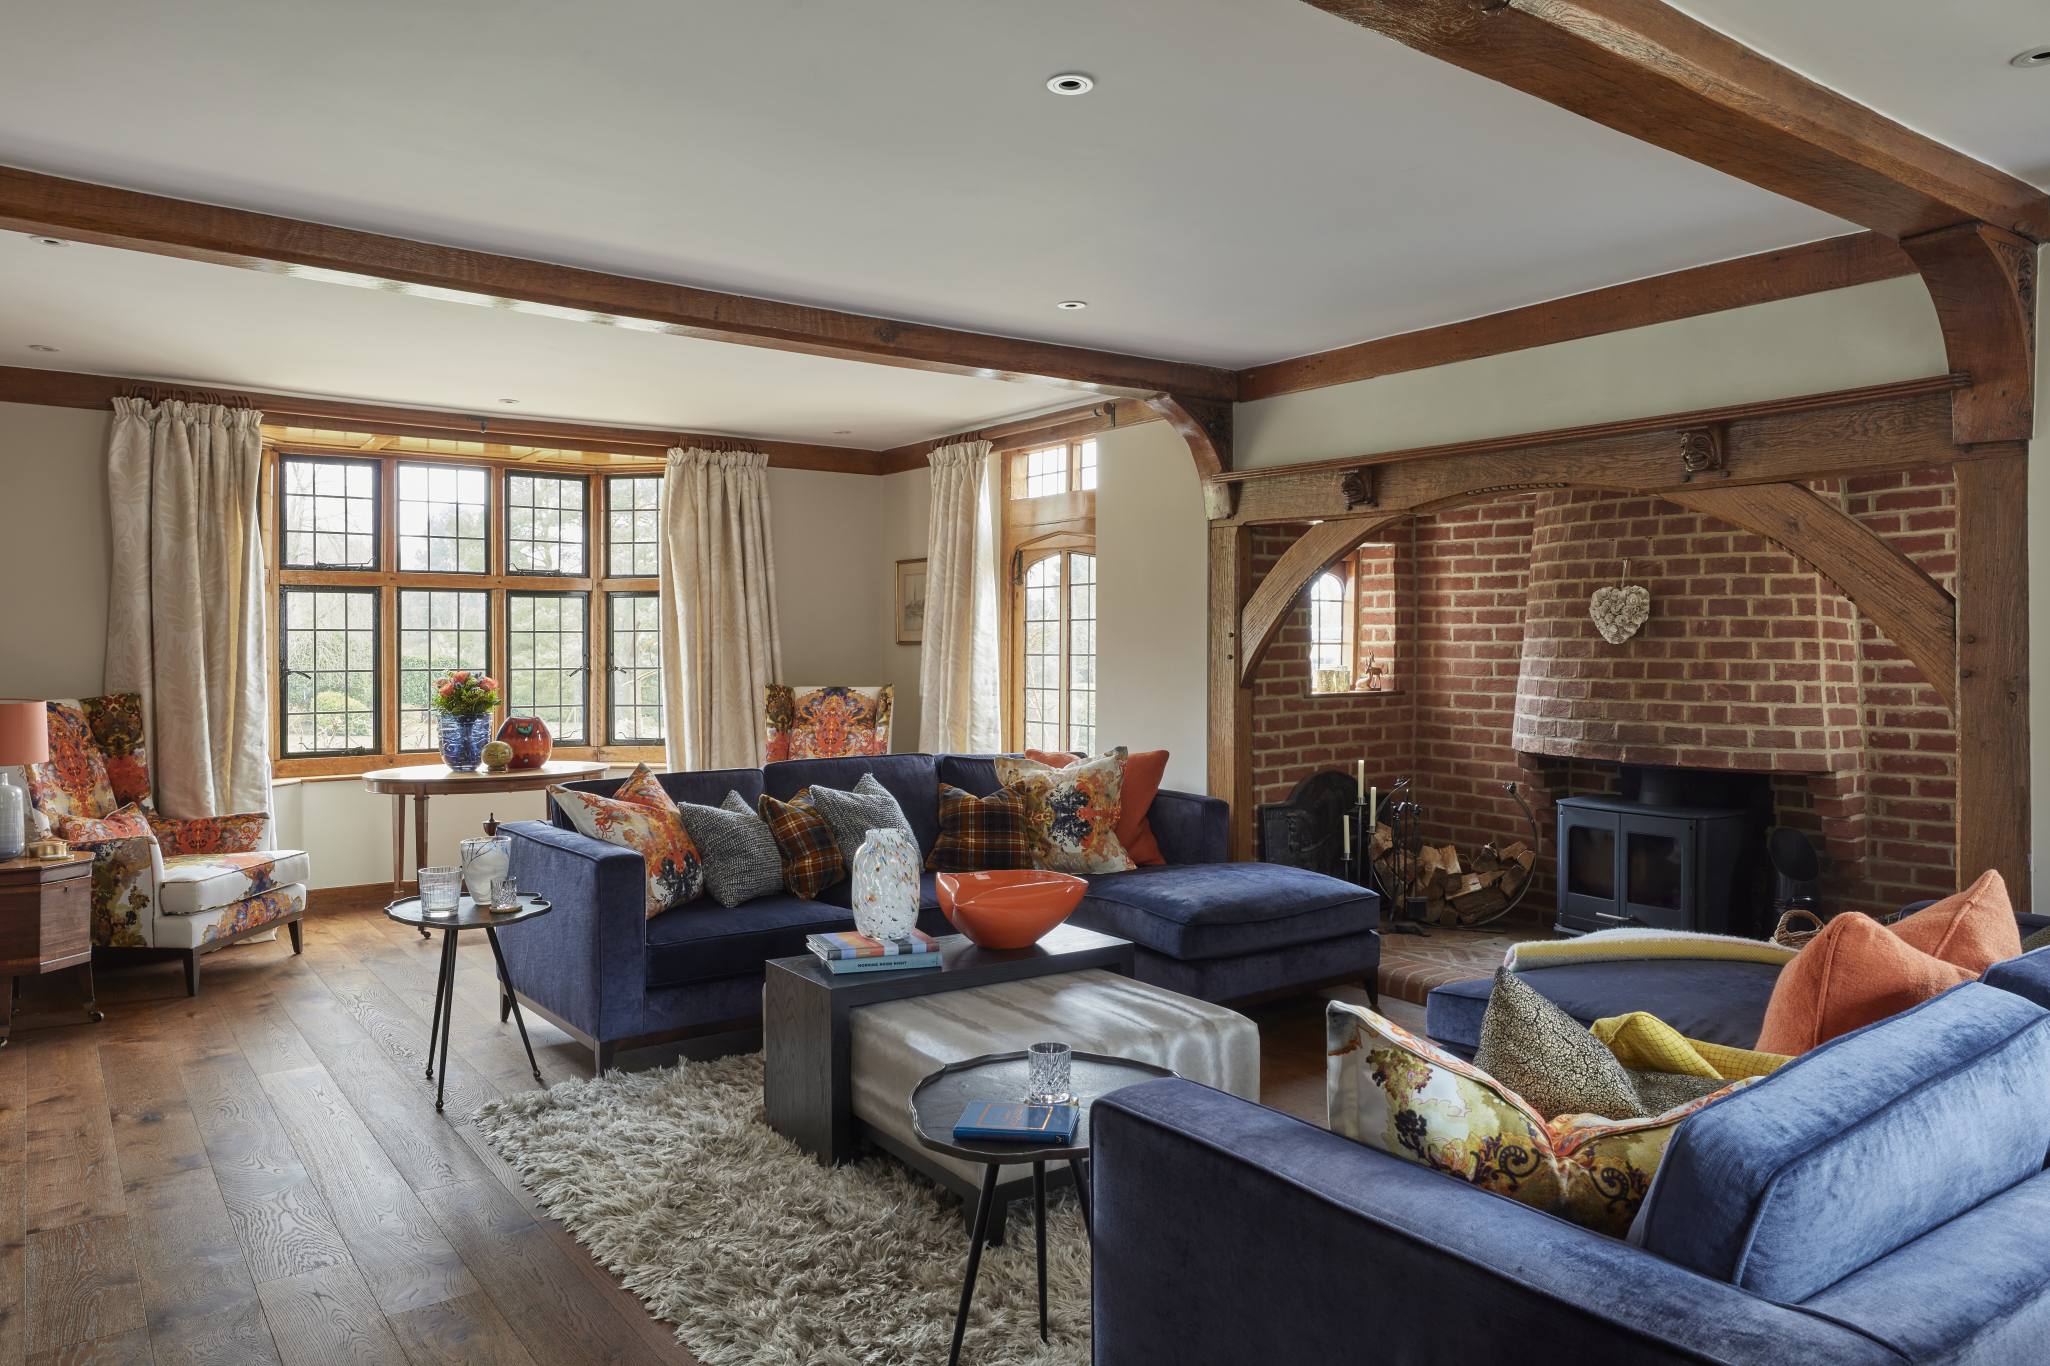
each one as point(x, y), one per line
point(826, 722)
point(160, 883)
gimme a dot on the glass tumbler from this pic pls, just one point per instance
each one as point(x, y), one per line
point(505, 894)
point(440, 890)
point(1048, 1070)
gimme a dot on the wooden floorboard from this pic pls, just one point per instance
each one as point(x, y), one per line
point(258, 1174)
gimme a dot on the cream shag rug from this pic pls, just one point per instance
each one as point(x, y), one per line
point(762, 1257)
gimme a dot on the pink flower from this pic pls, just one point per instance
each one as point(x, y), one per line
point(459, 676)
point(488, 683)
point(444, 688)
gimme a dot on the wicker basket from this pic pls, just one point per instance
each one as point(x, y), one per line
point(1790, 933)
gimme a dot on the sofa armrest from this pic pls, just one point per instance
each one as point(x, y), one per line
point(1190, 828)
point(586, 960)
point(1229, 1233)
point(2026, 975)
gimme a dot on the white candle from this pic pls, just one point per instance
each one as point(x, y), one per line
point(1373, 808)
point(1345, 835)
point(1361, 779)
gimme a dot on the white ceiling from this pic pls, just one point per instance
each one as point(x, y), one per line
point(153, 317)
point(1939, 68)
point(1251, 179)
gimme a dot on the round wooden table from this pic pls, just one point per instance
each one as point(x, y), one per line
point(421, 781)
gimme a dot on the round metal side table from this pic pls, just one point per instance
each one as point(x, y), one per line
point(937, 1102)
point(467, 915)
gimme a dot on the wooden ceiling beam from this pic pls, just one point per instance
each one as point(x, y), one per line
point(1853, 431)
point(1983, 282)
point(76, 211)
point(1788, 273)
point(63, 389)
point(1644, 69)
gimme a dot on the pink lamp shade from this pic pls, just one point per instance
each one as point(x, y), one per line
point(24, 733)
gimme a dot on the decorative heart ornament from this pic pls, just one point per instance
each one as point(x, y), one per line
point(1619, 612)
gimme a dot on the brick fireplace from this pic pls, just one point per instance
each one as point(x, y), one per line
point(1750, 663)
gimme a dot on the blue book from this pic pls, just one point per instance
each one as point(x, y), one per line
point(1015, 1121)
point(894, 963)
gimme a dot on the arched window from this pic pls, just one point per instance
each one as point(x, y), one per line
point(1330, 640)
point(1056, 615)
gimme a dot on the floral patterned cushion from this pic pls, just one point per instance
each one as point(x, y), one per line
point(116, 722)
point(1391, 1090)
point(73, 782)
point(88, 831)
point(1072, 813)
point(203, 882)
point(209, 834)
point(827, 723)
point(642, 817)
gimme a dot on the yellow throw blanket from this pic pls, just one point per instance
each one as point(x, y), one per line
point(1608, 946)
point(1644, 1042)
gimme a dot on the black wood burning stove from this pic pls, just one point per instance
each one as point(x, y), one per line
point(1674, 849)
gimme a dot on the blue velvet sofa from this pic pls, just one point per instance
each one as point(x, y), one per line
point(601, 970)
point(1880, 1199)
point(1718, 1002)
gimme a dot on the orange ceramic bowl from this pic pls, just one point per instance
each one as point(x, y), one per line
point(1010, 908)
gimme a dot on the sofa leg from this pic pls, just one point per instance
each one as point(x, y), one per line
point(298, 931)
point(601, 1058)
point(191, 973)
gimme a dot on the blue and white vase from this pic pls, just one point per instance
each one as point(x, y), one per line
point(463, 739)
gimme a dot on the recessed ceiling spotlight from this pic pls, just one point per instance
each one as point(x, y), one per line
point(510, 402)
point(1072, 305)
point(1071, 83)
point(843, 431)
point(2034, 56)
point(49, 241)
point(43, 347)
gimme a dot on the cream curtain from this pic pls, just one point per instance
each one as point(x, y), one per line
point(960, 693)
point(720, 643)
point(185, 611)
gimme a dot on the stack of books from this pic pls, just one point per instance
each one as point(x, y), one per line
point(847, 951)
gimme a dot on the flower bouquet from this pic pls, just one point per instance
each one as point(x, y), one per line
point(465, 701)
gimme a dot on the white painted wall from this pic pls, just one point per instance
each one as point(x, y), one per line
point(1839, 340)
point(900, 535)
point(53, 550)
point(1152, 571)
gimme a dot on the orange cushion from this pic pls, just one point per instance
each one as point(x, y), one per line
point(1144, 772)
point(1854, 972)
point(1974, 929)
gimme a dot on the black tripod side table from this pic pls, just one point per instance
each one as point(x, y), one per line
point(467, 915)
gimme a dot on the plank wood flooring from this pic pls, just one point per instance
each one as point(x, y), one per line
point(258, 1175)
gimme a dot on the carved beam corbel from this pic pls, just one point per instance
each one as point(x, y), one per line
point(1205, 424)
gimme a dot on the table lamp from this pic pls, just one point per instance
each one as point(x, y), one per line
point(24, 739)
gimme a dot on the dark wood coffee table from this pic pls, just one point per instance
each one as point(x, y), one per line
point(807, 1033)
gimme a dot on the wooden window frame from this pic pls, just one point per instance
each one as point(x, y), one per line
point(1348, 625)
point(1052, 523)
point(582, 597)
point(398, 735)
point(608, 481)
point(494, 506)
point(378, 683)
point(496, 583)
point(376, 507)
point(612, 735)
point(583, 483)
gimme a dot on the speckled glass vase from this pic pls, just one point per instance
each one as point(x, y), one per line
point(886, 885)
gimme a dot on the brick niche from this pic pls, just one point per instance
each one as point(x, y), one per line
point(1750, 662)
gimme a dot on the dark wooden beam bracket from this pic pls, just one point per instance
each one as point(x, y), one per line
point(1983, 282)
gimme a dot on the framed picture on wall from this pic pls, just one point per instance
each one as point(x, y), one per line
point(910, 602)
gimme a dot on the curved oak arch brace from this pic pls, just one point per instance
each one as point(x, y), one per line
point(1204, 423)
point(1913, 610)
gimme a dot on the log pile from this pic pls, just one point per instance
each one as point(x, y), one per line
point(1455, 890)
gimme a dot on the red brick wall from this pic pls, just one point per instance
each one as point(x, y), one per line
point(1749, 661)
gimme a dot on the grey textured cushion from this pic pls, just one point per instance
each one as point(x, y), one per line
point(1550, 1059)
point(737, 850)
point(852, 814)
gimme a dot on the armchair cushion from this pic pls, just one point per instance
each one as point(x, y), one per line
point(73, 782)
point(87, 831)
point(116, 724)
point(203, 882)
point(224, 922)
point(237, 834)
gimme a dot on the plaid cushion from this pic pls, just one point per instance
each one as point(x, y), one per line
point(812, 860)
point(978, 834)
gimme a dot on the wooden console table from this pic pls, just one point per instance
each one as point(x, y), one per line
point(421, 781)
point(46, 908)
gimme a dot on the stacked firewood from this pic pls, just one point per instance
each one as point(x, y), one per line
point(1454, 890)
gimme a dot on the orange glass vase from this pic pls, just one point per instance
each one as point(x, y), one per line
point(531, 743)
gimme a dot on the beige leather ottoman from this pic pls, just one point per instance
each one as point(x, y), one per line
point(898, 1043)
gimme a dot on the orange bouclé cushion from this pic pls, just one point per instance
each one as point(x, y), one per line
point(1855, 971)
point(1143, 774)
point(1973, 930)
